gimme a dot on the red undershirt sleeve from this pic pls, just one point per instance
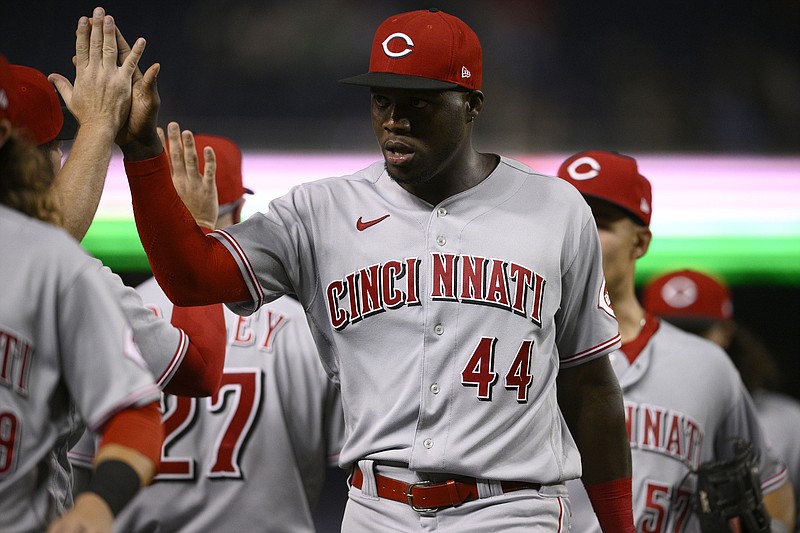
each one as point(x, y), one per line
point(613, 504)
point(138, 428)
point(200, 372)
point(190, 267)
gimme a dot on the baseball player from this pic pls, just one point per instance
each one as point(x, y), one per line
point(684, 401)
point(57, 368)
point(252, 457)
point(448, 291)
point(702, 303)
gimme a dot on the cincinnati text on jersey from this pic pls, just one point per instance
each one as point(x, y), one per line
point(15, 362)
point(661, 430)
point(458, 278)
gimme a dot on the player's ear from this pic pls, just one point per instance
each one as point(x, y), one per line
point(237, 212)
point(642, 239)
point(473, 105)
point(5, 131)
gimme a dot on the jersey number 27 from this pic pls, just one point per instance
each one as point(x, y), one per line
point(238, 400)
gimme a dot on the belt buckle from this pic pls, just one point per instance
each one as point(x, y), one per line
point(410, 497)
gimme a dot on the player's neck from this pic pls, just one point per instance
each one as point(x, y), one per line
point(455, 179)
point(630, 316)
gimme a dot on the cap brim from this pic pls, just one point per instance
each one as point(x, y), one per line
point(693, 323)
point(386, 80)
point(70, 127)
point(636, 218)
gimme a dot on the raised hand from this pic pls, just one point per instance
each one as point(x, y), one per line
point(100, 97)
point(198, 191)
point(145, 100)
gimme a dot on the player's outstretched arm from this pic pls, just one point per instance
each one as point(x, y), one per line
point(591, 402)
point(100, 100)
point(126, 461)
point(200, 372)
point(190, 268)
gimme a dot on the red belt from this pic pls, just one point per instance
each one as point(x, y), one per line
point(425, 496)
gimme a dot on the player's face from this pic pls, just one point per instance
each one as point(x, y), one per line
point(421, 133)
point(621, 241)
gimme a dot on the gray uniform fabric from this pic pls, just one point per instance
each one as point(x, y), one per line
point(685, 404)
point(67, 358)
point(446, 325)
point(254, 456)
point(780, 416)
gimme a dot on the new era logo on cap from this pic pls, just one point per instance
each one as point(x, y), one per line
point(611, 177)
point(425, 50)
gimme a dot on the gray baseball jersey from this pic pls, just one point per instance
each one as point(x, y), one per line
point(780, 416)
point(684, 404)
point(66, 357)
point(253, 457)
point(446, 325)
point(162, 346)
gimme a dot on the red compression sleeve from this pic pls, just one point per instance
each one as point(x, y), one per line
point(191, 268)
point(613, 504)
point(138, 428)
point(200, 373)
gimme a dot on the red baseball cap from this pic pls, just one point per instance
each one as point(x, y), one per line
point(426, 50)
point(688, 295)
point(229, 166)
point(7, 91)
point(611, 177)
point(39, 110)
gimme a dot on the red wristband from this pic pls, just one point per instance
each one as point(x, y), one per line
point(613, 504)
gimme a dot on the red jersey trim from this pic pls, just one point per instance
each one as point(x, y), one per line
point(251, 274)
point(594, 350)
point(775, 481)
point(633, 348)
point(177, 359)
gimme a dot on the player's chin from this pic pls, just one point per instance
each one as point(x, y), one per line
point(405, 176)
point(401, 167)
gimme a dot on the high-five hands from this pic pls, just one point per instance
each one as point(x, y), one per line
point(100, 97)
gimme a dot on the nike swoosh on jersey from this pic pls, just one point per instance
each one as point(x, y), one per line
point(361, 225)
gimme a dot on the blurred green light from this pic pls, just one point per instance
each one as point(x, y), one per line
point(740, 260)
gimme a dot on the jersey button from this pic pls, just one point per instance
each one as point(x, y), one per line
point(438, 329)
point(441, 212)
point(435, 388)
point(441, 241)
point(428, 443)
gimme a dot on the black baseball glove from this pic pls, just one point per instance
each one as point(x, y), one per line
point(728, 497)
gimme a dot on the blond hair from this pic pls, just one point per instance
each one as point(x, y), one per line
point(26, 179)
